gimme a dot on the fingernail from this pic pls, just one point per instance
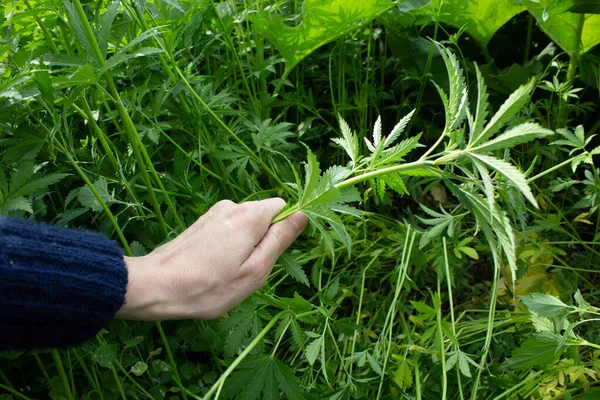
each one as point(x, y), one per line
point(299, 220)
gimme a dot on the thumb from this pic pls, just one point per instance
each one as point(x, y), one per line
point(277, 239)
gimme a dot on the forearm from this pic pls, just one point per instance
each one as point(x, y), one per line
point(58, 287)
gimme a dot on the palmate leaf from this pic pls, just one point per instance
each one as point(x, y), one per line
point(395, 153)
point(318, 215)
point(263, 377)
point(291, 266)
point(510, 172)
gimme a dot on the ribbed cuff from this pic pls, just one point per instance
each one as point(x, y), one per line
point(58, 287)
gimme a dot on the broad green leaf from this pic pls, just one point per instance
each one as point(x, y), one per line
point(518, 135)
point(562, 26)
point(538, 351)
point(515, 102)
point(321, 22)
point(480, 18)
point(291, 266)
point(139, 368)
point(544, 305)
point(105, 355)
point(510, 172)
point(585, 7)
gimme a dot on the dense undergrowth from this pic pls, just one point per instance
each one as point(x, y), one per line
point(443, 151)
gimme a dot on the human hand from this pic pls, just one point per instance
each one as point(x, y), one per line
point(221, 259)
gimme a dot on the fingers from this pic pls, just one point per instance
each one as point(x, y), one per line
point(277, 239)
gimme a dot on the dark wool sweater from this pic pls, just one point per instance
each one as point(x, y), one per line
point(58, 287)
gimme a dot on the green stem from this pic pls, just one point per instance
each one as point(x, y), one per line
point(528, 39)
point(62, 374)
point(572, 70)
point(554, 168)
point(110, 215)
point(14, 392)
point(235, 137)
point(165, 343)
point(219, 383)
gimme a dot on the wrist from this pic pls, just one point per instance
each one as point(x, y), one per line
point(143, 297)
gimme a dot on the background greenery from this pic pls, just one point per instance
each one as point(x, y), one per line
point(471, 276)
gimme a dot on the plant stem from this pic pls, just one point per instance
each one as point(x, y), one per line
point(165, 343)
point(554, 168)
point(572, 70)
point(14, 392)
point(62, 374)
point(216, 386)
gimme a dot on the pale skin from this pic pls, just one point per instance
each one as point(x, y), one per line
point(224, 257)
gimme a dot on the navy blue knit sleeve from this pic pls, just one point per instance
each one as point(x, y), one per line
point(58, 286)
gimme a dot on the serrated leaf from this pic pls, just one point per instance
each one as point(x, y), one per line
point(403, 375)
point(457, 101)
point(38, 184)
point(515, 102)
point(395, 153)
point(544, 305)
point(321, 213)
point(472, 253)
point(107, 21)
point(122, 57)
point(377, 132)
point(88, 199)
point(291, 266)
point(463, 364)
point(313, 350)
point(348, 141)
point(16, 204)
point(481, 109)
point(538, 351)
point(518, 135)
point(581, 302)
point(398, 129)
point(422, 307)
point(511, 173)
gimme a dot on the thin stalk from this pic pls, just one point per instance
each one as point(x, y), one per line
point(14, 392)
point(165, 343)
point(219, 383)
point(110, 215)
point(554, 168)
point(573, 64)
point(42, 368)
point(43, 27)
point(134, 137)
point(87, 373)
point(235, 137)
point(440, 336)
point(62, 374)
point(5, 379)
point(528, 39)
point(119, 384)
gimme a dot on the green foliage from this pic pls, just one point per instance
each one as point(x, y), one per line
point(439, 191)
